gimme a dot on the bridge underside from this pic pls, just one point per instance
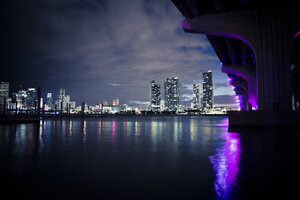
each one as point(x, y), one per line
point(258, 47)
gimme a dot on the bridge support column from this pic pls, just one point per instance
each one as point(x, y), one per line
point(272, 58)
point(249, 73)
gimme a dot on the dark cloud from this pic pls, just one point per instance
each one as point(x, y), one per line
point(86, 46)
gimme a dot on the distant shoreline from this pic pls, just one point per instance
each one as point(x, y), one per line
point(33, 118)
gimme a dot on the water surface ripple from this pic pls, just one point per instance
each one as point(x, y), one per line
point(147, 157)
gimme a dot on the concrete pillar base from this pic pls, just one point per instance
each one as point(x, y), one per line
point(264, 118)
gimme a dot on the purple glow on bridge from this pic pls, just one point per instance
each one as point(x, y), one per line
point(226, 164)
point(251, 96)
point(186, 25)
point(296, 35)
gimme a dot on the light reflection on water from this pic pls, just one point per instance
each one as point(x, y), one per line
point(226, 165)
point(178, 157)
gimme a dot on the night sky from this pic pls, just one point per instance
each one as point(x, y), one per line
point(99, 50)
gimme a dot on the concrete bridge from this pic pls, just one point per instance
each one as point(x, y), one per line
point(258, 46)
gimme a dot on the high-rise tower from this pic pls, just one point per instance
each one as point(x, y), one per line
point(4, 92)
point(32, 98)
point(49, 101)
point(172, 94)
point(61, 99)
point(116, 102)
point(155, 96)
point(196, 96)
point(208, 90)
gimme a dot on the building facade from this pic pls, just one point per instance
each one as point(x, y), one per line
point(49, 101)
point(196, 96)
point(116, 102)
point(155, 96)
point(19, 99)
point(4, 92)
point(32, 98)
point(172, 94)
point(208, 90)
point(63, 100)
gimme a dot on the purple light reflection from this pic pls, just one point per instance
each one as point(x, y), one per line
point(226, 165)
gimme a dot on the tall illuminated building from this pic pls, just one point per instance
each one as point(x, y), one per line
point(172, 94)
point(4, 92)
point(72, 105)
point(67, 102)
point(208, 90)
point(196, 96)
point(32, 98)
point(155, 96)
point(49, 101)
point(116, 102)
point(19, 99)
point(63, 100)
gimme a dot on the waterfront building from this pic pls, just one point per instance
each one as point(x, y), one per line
point(155, 96)
point(31, 98)
point(72, 106)
point(116, 102)
point(63, 100)
point(19, 98)
point(60, 99)
point(111, 109)
point(196, 96)
point(49, 101)
point(9, 104)
point(208, 89)
point(4, 92)
point(67, 102)
point(172, 94)
point(78, 109)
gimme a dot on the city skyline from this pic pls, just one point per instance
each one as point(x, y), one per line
point(155, 103)
point(107, 54)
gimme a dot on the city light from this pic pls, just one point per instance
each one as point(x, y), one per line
point(61, 104)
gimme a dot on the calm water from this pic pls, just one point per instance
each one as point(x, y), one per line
point(171, 157)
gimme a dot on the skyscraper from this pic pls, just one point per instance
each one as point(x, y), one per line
point(61, 100)
point(155, 96)
point(172, 94)
point(4, 92)
point(19, 98)
point(196, 96)
point(116, 102)
point(31, 99)
point(49, 101)
point(208, 89)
